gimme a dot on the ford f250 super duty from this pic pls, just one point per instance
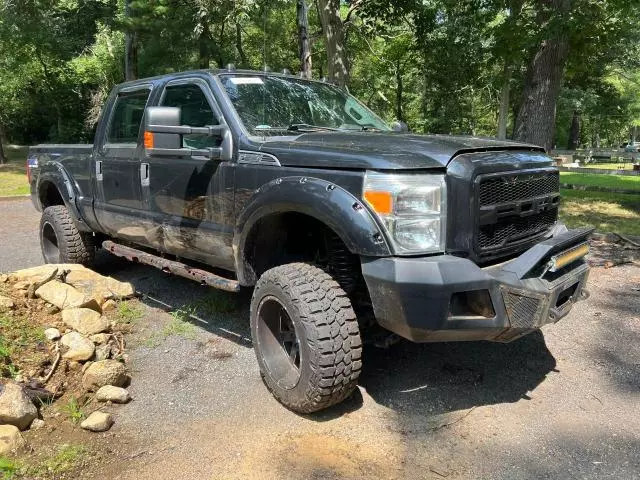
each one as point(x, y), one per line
point(339, 222)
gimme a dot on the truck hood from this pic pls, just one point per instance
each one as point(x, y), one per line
point(380, 151)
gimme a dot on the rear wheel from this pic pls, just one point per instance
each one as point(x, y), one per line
point(306, 337)
point(60, 240)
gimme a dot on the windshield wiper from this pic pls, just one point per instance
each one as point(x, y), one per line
point(306, 127)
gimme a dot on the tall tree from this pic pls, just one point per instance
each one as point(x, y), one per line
point(333, 30)
point(535, 122)
point(508, 46)
point(131, 45)
point(3, 157)
point(304, 41)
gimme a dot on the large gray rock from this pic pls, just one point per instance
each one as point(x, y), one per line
point(98, 422)
point(104, 372)
point(99, 287)
point(80, 348)
point(109, 393)
point(10, 439)
point(65, 296)
point(85, 320)
point(16, 407)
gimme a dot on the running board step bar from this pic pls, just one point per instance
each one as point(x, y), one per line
point(169, 266)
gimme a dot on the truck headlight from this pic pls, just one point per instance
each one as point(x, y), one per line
point(412, 208)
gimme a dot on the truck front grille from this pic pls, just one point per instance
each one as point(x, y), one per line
point(513, 229)
point(509, 188)
point(514, 208)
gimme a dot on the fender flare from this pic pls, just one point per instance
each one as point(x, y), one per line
point(325, 201)
point(53, 172)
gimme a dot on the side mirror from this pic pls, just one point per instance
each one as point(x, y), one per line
point(400, 126)
point(163, 136)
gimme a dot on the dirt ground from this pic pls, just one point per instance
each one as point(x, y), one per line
point(562, 403)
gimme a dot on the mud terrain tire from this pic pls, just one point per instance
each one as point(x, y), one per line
point(60, 240)
point(321, 344)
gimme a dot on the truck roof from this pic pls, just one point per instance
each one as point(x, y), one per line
point(214, 72)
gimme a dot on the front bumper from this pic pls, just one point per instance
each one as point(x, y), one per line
point(446, 298)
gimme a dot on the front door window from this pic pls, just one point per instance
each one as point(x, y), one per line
point(196, 112)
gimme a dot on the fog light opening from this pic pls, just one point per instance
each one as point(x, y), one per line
point(474, 303)
point(566, 295)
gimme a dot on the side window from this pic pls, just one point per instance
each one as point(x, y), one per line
point(127, 116)
point(195, 111)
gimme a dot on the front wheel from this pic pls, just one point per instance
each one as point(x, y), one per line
point(306, 337)
point(60, 240)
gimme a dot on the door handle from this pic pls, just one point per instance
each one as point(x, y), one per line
point(99, 170)
point(144, 174)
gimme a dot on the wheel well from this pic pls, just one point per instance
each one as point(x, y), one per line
point(295, 237)
point(49, 195)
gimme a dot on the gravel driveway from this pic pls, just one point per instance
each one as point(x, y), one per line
point(563, 403)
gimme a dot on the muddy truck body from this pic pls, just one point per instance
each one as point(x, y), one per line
point(345, 228)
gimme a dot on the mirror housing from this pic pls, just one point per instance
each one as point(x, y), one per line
point(163, 136)
point(400, 126)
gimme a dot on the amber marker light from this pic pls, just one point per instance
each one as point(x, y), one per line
point(565, 258)
point(381, 202)
point(148, 140)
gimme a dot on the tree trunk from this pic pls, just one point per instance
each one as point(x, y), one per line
point(505, 92)
point(239, 48)
point(3, 157)
point(399, 92)
point(304, 42)
point(130, 48)
point(332, 27)
point(574, 131)
point(535, 122)
point(204, 39)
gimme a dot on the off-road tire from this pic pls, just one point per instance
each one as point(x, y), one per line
point(330, 348)
point(72, 245)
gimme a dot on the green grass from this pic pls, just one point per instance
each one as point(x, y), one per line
point(129, 311)
point(179, 325)
point(217, 301)
point(624, 182)
point(608, 212)
point(8, 468)
point(65, 459)
point(74, 410)
point(611, 165)
point(17, 335)
point(13, 177)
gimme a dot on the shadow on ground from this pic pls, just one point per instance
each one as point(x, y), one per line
point(410, 378)
point(439, 378)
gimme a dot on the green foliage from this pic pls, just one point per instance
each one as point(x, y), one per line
point(439, 65)
point(129, 311)
point(74, 410)
point(66, 458)
point(8, 468)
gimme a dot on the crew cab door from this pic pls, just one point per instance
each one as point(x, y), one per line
point(190, 198)
point(118, 199)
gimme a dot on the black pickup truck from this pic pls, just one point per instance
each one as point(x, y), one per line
point(341, 223)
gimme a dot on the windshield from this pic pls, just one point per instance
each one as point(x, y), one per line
point(273, 105)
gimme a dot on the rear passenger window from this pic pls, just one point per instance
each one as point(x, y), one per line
point(127, 116)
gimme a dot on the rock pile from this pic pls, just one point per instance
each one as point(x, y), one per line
point(81, 296)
